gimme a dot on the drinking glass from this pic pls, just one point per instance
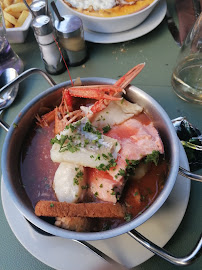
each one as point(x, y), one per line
point(8, 58)
point(187, 75)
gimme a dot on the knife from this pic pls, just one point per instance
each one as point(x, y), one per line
point(197, 7)
point(173, 28)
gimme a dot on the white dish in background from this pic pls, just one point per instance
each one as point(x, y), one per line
point(111, 24)
point(19, 34)
point(153, 20)
point(60, 253)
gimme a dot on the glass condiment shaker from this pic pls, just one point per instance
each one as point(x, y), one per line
point(39, 8)
point(71, 38)
point(8, 58)
point(45, 36)
point(187, 75)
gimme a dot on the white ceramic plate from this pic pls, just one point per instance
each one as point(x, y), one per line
point(19, 34)
point(153, 20)
point(63, 254)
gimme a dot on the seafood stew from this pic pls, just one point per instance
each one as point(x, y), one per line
point(139, 192)
point(104, 155)
point(108, 8)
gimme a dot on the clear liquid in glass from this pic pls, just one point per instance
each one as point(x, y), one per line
point(187, 79)
point(8, 58)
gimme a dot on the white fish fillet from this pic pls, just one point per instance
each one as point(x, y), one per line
point(116, 113)
point(68, 182)
point(99, 150)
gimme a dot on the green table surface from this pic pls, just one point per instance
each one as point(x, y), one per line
point(159, 51)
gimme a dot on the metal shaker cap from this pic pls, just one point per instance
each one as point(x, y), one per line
point(38, 8)
point(71, 26)
point(42, 25)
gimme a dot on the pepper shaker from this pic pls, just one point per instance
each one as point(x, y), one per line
point(50, 53)
point(71, 38)
point(38, 8)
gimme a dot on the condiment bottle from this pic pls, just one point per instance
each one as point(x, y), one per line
point(45, 37)
point(39, 8)
point(71, 38)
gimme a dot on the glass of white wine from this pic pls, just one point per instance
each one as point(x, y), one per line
point(187, 75)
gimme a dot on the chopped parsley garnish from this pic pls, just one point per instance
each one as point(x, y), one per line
point(127, 217)
point(98, 157)
point(78, 177)
point(70, 147)
point(105, 156)
point(103, 167)
point(89, 128)
point(85, 187)
point(135, 194)
point(121, 172)
point(153, 157)
point(96, 194)
point(51, 205)
point(106, 129)
point(75, 140)
point(129, 170)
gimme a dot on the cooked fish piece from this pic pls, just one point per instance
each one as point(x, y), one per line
point(116, 113)
point(68, 182)
point(103, 186)
point(137, 141)
point(83, 144)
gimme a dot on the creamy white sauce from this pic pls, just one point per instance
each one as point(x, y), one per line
point(95, 4)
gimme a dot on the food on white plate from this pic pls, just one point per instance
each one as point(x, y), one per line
point(69, 191)
point(108, 8)
point(105, 164)
point(15, 12)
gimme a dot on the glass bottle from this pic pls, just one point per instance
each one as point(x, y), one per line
point(187, 75)
point(8, 58)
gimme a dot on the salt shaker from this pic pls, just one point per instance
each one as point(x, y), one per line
point(70, 35)
point(45, 36)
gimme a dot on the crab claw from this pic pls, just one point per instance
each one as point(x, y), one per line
point(129, 76)
point(122, 82)
point(96, 91)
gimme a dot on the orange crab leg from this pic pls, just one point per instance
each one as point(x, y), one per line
point(129, 76)
point(122, 82)
point(67, 99)
point(96, 91)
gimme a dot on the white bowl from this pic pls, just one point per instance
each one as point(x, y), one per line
point(19, 34)
point(109, 24)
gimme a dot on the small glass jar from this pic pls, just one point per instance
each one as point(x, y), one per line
point(71, 38)
point(187, 75)
point(8, 58)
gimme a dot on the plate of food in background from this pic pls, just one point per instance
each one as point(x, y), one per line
point(152, 20)
point(17, 19)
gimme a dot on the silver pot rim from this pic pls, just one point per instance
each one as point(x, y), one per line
point(52, 229)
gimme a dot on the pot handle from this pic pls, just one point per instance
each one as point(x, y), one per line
point(26, 74)
point(190, 175)
point(19, 79)
point(182, 261)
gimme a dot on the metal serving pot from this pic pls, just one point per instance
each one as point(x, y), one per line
point(50, 98)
